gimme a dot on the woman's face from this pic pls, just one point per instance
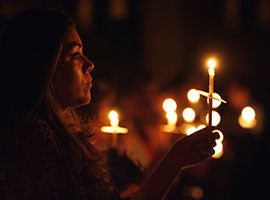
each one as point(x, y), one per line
point(73, 81)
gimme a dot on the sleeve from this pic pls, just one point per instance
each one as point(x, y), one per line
point(40, 171)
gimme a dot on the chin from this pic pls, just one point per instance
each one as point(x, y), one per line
point(87, 100)
point(82, 102)
point(83, 99)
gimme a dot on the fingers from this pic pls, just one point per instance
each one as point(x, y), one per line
point(208, 141)
point(207, 154)
point(215, 135)
point(198, 146)
point(207, 129)
point(207, 149)
point(206, 133)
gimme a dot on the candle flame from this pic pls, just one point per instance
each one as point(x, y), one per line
point(171, 118)
point(211, 63)
point(169, 105)
point(211, 66)
point(114, 127)
point(113, 116)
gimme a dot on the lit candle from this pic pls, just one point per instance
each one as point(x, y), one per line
point(169, 106)
point(114, 120)
point(211, 71)
point(171, 118)
point(114, 127)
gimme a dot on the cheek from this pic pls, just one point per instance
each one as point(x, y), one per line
point(75, 92)
point(64, 83)
point(71, 88)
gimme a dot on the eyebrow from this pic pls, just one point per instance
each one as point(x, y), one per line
point(73, 44)
point(76, 44)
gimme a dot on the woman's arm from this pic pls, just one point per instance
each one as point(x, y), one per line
point(187, 152)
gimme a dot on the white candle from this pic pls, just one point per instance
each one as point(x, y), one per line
point(211, 72)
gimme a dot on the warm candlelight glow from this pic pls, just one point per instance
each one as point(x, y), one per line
point(171, 118)
point(114, 120)
point(218, 150)
point(114, 124)
point(219, 147)
point(216, 102)
point(248, 113)
point(221, 136)
point(211, 66)
point(247, 119)
point(211, 71)
point(189, 114)
point(216, 118)
point(169, 106)
point(215, 97)
point(190, 129)
point(114, 127)
point(193, 95)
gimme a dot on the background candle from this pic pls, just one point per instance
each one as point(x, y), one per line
point(114, 127)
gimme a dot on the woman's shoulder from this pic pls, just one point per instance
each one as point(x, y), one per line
point(40, 126)
point(37, 137)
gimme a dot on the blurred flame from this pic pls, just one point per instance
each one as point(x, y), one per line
point(247, 119)
point(193, 95)
point(113, 116)
point(189, 114)
point(169, 105)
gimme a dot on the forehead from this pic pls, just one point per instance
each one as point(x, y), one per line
point(72, 38)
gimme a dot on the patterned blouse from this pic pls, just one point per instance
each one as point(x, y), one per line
point(36, 170)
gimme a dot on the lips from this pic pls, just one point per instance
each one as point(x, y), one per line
point(89, 85)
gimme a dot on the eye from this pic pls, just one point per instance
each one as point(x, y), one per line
point(76, 55)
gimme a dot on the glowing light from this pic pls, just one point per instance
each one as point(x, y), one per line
point(221, 136)
point(211, 71)
point(171, 118)
point(215, 118)
point(247, 119)
point(169, 105)
point(219, 147)
point(201, 126)
point(114, 120)
point(218, 150)
point(190, 130)
point(247, 124)
point(189, 114)
point(197, 192)
point(114, 127)
point(213, 96)
point(215, 102)
point(193, 95)
point(248, 113)
point(211, 63)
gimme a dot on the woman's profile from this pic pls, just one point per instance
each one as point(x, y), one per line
point(45, 149)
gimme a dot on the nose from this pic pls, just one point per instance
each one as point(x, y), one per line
point(89, 65)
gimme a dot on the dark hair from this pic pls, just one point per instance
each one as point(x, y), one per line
point(29, 49)
point(30, 46)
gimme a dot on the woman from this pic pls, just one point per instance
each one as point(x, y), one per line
point(46, 149)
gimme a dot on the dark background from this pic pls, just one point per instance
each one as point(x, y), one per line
point(167, 42)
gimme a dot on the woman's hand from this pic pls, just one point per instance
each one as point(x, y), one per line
point(195, 148)
point(187, 152)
